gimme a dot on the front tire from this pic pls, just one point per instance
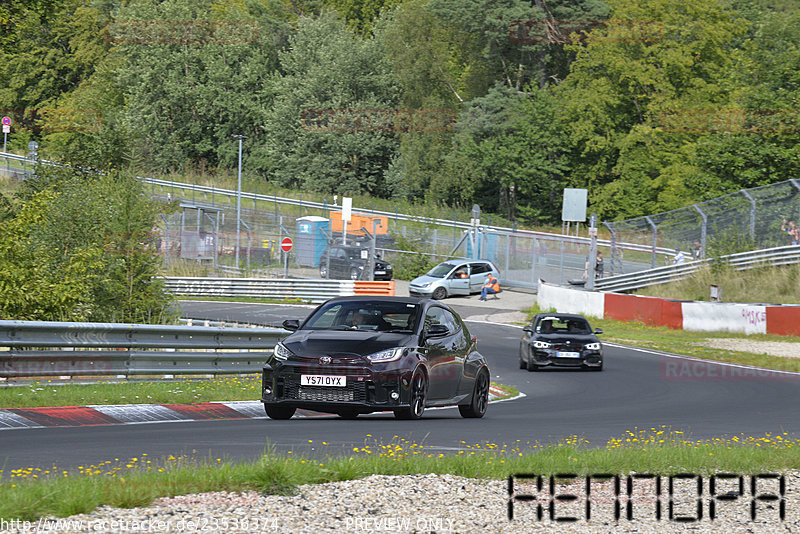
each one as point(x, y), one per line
point(419, 392)
point(532, 366)
point(323, 272)
point(279, 412)
point(355, 274)
point(439, 293)
point(480, 398)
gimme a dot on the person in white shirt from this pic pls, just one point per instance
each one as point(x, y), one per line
point(679, 257)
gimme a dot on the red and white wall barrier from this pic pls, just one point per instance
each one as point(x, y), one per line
point(686, 315)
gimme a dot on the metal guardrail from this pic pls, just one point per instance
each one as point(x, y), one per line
point(660, 275)
point(43, 348)
point(309, 290)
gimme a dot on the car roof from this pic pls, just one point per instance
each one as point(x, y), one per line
point(458, 263)
point(378, 298)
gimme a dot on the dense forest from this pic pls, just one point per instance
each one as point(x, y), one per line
point(650, 104)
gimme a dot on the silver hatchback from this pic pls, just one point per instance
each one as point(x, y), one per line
point(454, 277)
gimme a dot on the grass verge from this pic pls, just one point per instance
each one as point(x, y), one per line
point(689, 343)
point(776, 285)
point(28, 494)
point(230, 388)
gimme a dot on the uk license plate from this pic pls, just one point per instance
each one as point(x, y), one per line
point(323, 380)
point(561, 354)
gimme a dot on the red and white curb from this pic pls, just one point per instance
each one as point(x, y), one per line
point(136, 414)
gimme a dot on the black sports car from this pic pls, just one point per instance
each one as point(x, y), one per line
point(356, 355)
point(560, 340)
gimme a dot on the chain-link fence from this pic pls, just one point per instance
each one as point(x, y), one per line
point(760, 217)
point(205, 230)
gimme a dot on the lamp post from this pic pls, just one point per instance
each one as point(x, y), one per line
point(239, 199)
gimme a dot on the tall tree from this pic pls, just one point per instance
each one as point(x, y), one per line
point(331, 126)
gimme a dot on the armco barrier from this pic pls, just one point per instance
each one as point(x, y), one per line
point(308, 290)
point(42, 348)
point(686, 315)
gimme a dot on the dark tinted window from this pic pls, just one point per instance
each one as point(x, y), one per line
point(364, 315)
point(479, 268)
point(562, 325)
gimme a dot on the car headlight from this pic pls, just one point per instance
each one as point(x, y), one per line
point(425, 284)
point(592, 346)
point(281, 353)
point(388, 355)
point(542, 345)
point(389, 267)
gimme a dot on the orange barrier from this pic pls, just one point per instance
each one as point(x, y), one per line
point(365, 287)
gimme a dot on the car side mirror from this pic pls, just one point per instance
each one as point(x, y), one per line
point(437, 330)
point(598, 330)
point(527, 329)
point(291, 324)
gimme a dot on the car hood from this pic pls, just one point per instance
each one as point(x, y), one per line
point(312, 343)
point(423, 279)
point(563, 338)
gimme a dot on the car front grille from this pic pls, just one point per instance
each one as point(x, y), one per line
point(353, 392)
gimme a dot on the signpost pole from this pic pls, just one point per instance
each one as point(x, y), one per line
point(592, 252)
point(239, 200)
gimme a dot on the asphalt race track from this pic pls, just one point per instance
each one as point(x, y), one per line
point(637, 389)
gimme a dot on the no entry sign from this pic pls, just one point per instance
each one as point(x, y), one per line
point(286, 244)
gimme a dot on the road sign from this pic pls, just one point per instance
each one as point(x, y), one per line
point(347, 208)
point(286, 244)
point(6, 121)
point(6, 128)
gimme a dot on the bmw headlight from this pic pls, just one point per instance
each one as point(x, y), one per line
point(592, 346)
point(388, 355)
point(281, 352)
point(542, 345)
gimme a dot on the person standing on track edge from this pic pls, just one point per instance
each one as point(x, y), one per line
point(491, 287)
point(598, 265)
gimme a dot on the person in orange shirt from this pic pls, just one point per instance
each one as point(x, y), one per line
point(491, 287)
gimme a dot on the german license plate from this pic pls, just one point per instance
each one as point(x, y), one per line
point(380, 272)
point(323, 380)
point(561, 354)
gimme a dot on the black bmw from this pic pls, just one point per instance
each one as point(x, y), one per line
point(357, 355)
point(560, 340)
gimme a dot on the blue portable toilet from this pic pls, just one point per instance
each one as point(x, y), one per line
point(311, 242)
point(487, 247)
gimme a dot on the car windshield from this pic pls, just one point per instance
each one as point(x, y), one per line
point(365, 315)
point(353, 253)
point(563, 325)
point(441, 270)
